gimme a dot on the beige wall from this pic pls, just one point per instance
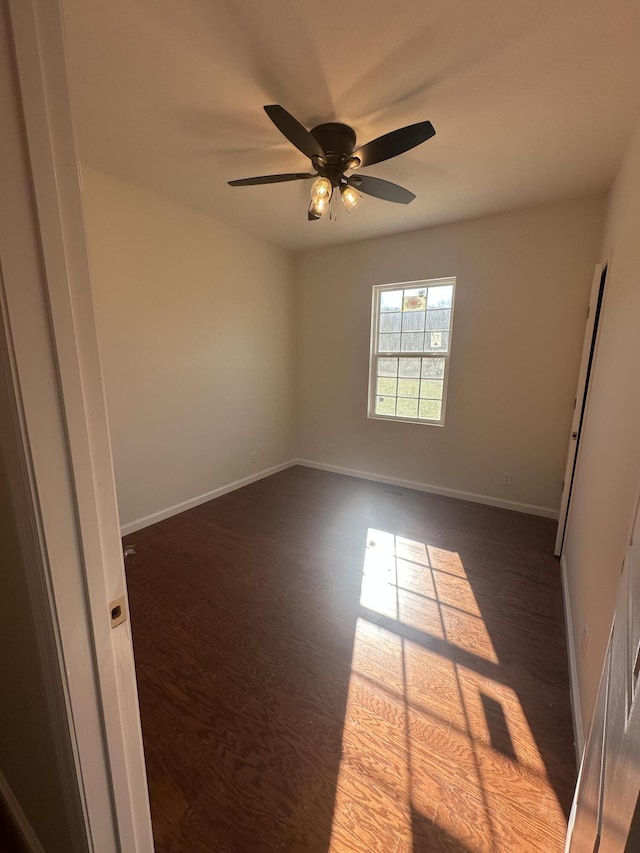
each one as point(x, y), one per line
point(195, 329)
point(608, 474)
point(28, 759)
point(523, 283)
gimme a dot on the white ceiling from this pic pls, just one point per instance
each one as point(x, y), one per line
point(532, 100)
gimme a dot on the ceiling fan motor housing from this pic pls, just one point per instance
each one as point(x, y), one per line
point(338, 141)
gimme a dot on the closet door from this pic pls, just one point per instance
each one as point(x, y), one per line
point(609, 780)
point(586, 815)
point(622, 749)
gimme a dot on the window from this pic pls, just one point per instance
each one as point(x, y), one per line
point(410, 346)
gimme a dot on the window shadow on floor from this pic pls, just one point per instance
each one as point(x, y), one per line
point(428, 837)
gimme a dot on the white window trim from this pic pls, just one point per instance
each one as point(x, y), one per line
point(374, 354)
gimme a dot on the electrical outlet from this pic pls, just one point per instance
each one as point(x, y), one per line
point(253, 458)
point(585, 641)
point(506, 478)
point(330, 449)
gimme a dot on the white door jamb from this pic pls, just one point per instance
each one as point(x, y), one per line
point(51, 368)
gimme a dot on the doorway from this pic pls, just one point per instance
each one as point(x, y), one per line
point(589, 349)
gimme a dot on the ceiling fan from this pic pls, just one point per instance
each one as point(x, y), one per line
point(331, 149)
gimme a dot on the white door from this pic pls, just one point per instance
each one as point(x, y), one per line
point(582, 391)
point(609, 781)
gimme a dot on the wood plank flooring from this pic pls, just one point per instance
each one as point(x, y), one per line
point(326, 665)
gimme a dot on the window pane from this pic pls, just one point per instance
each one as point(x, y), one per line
point(391, 322)
point(391, 300)
point(388, 386)
point(429, 410)
point(431, 388)
point(432, 368)
point(415, 299)
point(389, 343)
point(389, 367)
point(408, 387)
point(440, 297)
point(413, 321)
point(407, 408)
point(438, 320)
point(412, 341)
point(385, 405)
point(436, 341)
point(411, 367)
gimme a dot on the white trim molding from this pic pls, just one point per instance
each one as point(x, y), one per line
point(530, 509)
point(160, 515)
point(578, 730)
point(581, 405)
point(20, 820)
point(56, 382)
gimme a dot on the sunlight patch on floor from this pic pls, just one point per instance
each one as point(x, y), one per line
point(424, 734)
point(401, 583)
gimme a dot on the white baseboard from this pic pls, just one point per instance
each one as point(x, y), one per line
point(531, 509)
point(153, 518)
point(573, 668)
point(19, 818)
point(147, 520)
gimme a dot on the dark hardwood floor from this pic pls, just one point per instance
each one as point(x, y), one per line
point(327, 665)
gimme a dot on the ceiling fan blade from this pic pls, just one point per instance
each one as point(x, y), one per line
point(381, 189)
point(394, 143)
point(294, 131)
point(270, 179)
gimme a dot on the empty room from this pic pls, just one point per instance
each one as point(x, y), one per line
point(340, 307)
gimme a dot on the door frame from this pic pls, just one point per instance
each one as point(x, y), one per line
point(55, 432)
point(581, 399)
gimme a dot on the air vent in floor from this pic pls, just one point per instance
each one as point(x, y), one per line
point(389, 490)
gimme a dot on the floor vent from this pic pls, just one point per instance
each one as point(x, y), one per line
point(389, 490)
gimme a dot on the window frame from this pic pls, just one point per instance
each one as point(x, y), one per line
point(375, 354)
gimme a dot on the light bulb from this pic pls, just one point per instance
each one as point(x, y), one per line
point(318, 207)
point(351, 198)
point(321, 191)
point(321, 188)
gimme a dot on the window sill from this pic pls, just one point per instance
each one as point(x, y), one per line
point(395, 420)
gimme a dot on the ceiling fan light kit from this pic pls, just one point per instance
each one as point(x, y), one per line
point(331, 149)
point(351, 198)
point(321, 192)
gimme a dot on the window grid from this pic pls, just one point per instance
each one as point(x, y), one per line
point(410, 347)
